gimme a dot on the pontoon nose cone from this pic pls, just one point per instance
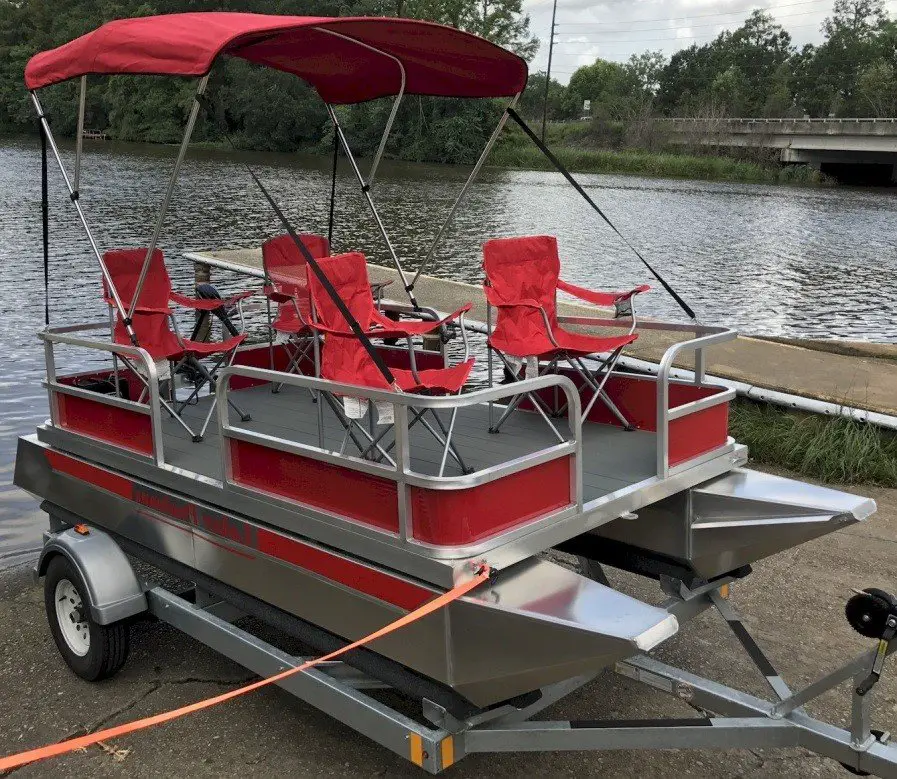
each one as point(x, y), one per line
point(737, 519)
point(547, 623)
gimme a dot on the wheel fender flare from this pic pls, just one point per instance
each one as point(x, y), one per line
point(114, 591)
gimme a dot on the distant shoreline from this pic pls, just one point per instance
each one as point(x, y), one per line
point(514, 153)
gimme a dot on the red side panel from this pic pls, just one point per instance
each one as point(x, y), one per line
point(120, 426)
point(366, 498)
point(456, 517)
point(636, 397)
point(698, 433)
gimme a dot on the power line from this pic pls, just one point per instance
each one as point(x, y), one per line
point(689, 26)
point(705, 16)
point(612, 42)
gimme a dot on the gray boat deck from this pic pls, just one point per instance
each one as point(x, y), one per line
point(612, 458)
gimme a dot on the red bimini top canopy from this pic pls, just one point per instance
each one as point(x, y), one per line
point(347, 60)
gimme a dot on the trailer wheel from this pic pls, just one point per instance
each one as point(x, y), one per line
point(91, 650)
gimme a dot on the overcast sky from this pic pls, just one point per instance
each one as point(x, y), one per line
point(614, 29)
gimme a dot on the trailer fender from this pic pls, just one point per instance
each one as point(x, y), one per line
point(114, 590)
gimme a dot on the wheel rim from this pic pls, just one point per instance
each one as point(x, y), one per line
point(71, 618)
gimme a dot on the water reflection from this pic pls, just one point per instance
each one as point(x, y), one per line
point(773, 260)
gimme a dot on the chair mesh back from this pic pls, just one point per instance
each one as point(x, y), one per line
point(348, 273)
point(518, 270)
point(285, 265)
point(525, 268)
point(150, 322)
point(124, 267)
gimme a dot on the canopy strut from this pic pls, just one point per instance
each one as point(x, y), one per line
point(585, 195)
point(312, 262)
point(45, 219)
point(470, 179)
point(330, 216)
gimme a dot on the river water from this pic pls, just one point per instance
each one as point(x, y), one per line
point(819, 263)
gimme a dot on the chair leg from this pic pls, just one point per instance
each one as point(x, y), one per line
point(604, 370)
point(440, 439)
point(296, 356)
point(448, 441)
point(537, 402)
point(349, 424)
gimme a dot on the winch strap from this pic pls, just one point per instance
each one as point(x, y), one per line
point(72, 745)
point(585, 195)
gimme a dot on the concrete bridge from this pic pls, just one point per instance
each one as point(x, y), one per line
point(818, 142)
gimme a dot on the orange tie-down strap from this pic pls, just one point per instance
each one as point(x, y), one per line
point(63, 747)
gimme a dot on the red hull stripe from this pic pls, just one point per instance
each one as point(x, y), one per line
point(341, 570)
point(111, 482)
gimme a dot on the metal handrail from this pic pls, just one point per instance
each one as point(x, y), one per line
point(664, 414)
point(60, 335)
point(402, 472)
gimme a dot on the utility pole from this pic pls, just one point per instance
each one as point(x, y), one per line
point(554, 12)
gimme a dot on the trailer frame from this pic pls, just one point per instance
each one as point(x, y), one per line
point(726, 717)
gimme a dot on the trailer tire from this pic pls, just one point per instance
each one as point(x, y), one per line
point(91, 650)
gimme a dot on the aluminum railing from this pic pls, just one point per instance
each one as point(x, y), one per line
point(705, 336)
point(402, 471)
point(53, 336)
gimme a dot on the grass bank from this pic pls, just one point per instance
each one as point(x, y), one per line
point(833, 450)
point(659, 164)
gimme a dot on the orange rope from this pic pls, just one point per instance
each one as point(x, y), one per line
point(61, 748)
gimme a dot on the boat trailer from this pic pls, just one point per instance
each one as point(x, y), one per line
point(266, 515)
point(438, 737)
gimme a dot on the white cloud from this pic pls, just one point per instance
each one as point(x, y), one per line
point(615, 29)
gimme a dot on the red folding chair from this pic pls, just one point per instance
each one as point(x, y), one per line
point(284, 266)
point(156, 328)
point(522, 281)
point(345, 360)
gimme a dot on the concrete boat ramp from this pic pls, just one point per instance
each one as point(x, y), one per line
point(858, 375)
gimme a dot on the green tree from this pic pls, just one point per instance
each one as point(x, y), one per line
point(877, 88)
point(533, 98)
point(608, 86)
point(828, 75)
point(729, 91)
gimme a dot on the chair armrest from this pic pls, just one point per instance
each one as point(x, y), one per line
point(600, 298)
point(276, 296)
point(392, 328)
point(207, 304)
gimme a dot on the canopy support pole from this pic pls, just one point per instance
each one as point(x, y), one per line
point(395, 105)
point(332, 214)
point(76, 202)
point(365, 189)
point(79, 143)
point(188, 132)
point(470, 179)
